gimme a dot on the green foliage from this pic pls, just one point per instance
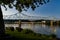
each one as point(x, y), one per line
point(19, 29)
point(27, 31)
point(30, 35)
point(21, 5)
point(9, 28)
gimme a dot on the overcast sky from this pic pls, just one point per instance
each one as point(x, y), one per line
point(50, 9)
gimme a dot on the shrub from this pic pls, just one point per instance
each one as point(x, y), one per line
point(7, 28)
point(27, 31)
point(19, 29)
point(12, 28)
point(53, 35)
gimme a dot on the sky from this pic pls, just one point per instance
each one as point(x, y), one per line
point(50, 9)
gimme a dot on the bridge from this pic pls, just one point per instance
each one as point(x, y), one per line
point(28, 17)
point(24, 18)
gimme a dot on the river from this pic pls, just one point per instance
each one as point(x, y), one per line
point(39, 28)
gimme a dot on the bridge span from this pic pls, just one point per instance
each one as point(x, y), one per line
point(20, 18)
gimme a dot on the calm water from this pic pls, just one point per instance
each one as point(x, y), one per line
point(40, 28)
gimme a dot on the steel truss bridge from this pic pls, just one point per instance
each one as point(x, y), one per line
point(28, 17)
point(22, 16)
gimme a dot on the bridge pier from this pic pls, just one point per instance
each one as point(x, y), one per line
point(19, 23)
point(57, 22)
point(51, 22)
point(32, 23)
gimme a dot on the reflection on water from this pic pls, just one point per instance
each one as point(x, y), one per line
point(41, 28)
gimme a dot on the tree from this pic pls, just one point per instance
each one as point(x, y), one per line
point(20, 5)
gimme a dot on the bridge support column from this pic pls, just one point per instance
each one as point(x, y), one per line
point(19, 23)
point(51, 22)
point(57, 22)
point(32, 23)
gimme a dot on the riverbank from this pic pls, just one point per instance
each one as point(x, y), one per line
point(26, 34)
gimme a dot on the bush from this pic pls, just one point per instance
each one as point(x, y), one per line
point(12, 28)
point(19, 29)
point(7, 28)
point(27, 31)
point(53, 35)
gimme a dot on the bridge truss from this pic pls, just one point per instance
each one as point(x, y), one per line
point(28, 17)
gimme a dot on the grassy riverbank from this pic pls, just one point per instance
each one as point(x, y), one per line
point(26, 34)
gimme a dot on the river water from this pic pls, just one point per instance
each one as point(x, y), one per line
point(39, 28)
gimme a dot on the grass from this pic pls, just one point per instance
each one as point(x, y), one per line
point(26, 34)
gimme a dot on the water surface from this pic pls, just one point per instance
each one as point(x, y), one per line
point(39, 28)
